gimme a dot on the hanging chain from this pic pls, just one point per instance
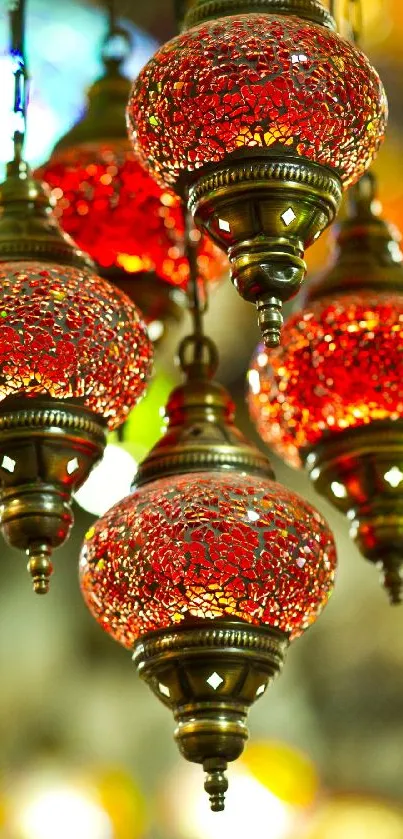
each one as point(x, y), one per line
point(363, 196)
point(17, 31)
point(111, 17)
point(354, 17)
point(117, 42)
point(203, 350)
point(180, 9)
point(194, 301)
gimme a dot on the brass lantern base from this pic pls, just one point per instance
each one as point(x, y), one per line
point(209, 673)
point(361, 474)
point(47, 450)
point(202, 10)
point(264, 210)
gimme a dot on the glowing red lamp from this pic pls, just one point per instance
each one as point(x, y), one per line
point(331, 397)
point(207, 546)
point(263, 119)
point(131, 227)
point(122, 218)
point(207, 570)
point(66, 334)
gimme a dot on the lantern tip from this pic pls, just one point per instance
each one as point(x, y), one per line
point(40, 567)
point(216, 783)
point(393, 579)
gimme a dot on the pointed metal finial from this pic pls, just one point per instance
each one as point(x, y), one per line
point(392, 573)
point(40, 567)
point(216, 783)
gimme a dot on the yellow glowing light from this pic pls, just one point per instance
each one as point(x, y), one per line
point(62, 811)
point(131, 264)
point(123, 801)
point(286, 772)
point(168, 199)
point(351, 817)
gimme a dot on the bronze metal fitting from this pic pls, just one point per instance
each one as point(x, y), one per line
point(209, 673)
point(361, 473)
point(264, 211)
point(367, 255)
point(104, 119)
point(47, 450)
point(313, 10)
point(201, 434)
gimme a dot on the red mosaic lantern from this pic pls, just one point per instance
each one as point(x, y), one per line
point(340, 367)
point(68, 334)
point(331, 397)
point(207, 570)
point(207, 546)
point(132, 228)
point(264, 118)
point(74, 359)
point(113, 209)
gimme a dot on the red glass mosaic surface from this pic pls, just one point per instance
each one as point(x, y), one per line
point(250, 81)
point(68, 334)
point(117, 213)
point(207, 545)
point(339, 366)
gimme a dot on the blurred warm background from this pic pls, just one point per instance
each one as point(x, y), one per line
point(85, 752)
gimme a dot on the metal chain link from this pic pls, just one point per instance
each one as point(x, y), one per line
point(16, 10)
point(202, 349)
point(117, 43)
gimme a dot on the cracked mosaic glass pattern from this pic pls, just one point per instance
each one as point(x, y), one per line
point(68, 334)
point(339, 366)
point(117, 213)
point(207, 545)
point(257, 81)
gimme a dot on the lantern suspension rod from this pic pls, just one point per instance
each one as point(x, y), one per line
point(196, 308)
point(354, 16)
point(179, 8)
point(17, 33)
point(111, 9)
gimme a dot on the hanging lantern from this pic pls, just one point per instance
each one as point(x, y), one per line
point(74, 359)
point(261, 119)
point(74, 355)
point(131, 227)
point(207, 571)
point(331, 397)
